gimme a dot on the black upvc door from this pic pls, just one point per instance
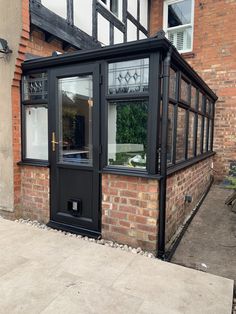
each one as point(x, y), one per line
point(74, 148)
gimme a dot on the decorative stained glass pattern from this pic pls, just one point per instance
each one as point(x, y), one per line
point(129, 77)
point(35, 87)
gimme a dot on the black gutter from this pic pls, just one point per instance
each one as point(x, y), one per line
point(163, 161)
point(169, 254)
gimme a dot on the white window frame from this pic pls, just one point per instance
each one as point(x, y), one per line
point(165, 22)
point(108, 6)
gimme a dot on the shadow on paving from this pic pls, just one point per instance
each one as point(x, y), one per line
point(209, 243)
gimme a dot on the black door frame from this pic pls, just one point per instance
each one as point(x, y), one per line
point(53, 126)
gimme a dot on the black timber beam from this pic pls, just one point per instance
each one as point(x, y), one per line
point(56, 26)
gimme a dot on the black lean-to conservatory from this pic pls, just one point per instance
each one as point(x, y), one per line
point(133, 109)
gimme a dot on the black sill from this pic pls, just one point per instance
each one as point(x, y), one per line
point(188, 163)
point(34, 163)
point(131, 173)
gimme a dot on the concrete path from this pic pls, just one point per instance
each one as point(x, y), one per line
point(51, 273)
point(210, 241)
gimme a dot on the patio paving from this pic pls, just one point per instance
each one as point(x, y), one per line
point(43, 271)
point(209, 243)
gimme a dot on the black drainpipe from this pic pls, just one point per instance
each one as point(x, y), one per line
point(163, 158)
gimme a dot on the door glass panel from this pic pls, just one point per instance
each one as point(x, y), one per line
point(75, 130)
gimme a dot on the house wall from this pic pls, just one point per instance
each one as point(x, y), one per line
point(10, 29)
point(130, 204)
point(213, 57)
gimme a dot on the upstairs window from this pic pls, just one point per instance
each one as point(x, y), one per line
point(114, 6)
point(178, 23)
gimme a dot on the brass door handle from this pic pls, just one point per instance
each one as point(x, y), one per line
point(54, 142)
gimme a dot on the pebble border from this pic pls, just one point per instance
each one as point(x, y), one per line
point(100, 241)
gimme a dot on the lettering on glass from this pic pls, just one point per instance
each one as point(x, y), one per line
point(128, 77)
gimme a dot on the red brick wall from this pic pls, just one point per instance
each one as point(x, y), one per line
point(214, 50)
point(191, 181)
point(129, 210)
point(130, 204)
point(35, 193)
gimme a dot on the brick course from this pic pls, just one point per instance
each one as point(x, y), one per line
point(129, 210)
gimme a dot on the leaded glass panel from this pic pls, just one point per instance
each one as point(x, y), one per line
point(35, 87)
point(128, 77)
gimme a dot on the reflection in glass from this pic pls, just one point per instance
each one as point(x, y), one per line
point(170, 134)
point(127, 133)
point(76, 105)
point(199, 135)
point(180, 135)
point(191, 135)
point(193, 97)
point(173, 81)
point(179, 13)
point(36, 123)
point(129, 76)
point(184, 91)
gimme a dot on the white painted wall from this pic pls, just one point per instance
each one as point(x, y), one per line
point(10, 29)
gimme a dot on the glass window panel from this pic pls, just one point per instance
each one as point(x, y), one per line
point(210, 135)
point(180, 13)
point(127, 133)
point(35, 86)
point(133, 7)
point(83, 18)
point(131, 31)
point(128, 76)
point(206, 134)
point(144, 13)
point(200, 102)
point(59, 7)
point(181, 38)
point(170, 133)
point(191, 135)
point(118, 36)
point(184, 90)
point(180, 134)
point(103, 30)
point(173, 81)
point(76, 113)
point(36, 128)
point(199, 135)
point(193, 97)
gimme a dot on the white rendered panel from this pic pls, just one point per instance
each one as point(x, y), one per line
point(142, 35)
point(83, 10)
point(144, 13)
point(59, 7)
point(103, 30)
point(131, 31)
point(118, 36)
point(133, 7)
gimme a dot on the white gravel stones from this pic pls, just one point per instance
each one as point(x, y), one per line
point(100, 241)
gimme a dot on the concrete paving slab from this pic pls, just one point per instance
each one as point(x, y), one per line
point(89, 297)
point(47, 272)
point(210, 241)
point(174, 289)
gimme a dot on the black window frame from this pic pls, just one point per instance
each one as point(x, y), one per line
point(206, 144)
point(153, 99)
point(31, 103)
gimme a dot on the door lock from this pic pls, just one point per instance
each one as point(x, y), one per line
point(54, 142)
